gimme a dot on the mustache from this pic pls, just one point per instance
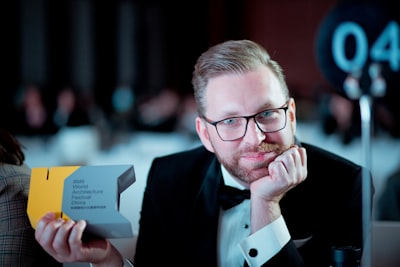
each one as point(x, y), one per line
point(263, 147)
point(267, 147)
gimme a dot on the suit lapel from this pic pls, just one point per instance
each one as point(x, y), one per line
point(205, 216)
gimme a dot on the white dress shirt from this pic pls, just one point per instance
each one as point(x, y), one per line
point(235, 243)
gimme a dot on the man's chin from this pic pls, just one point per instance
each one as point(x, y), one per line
point(258, 174)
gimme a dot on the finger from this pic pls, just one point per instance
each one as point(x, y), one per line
point(303, 156)
point(288, 160)
point(291, 170)
point(278, 170)
point(46, 238)
point(299, 157)
point(75, 238)
point(60, 243)
point(42, 223)
point(299, 168)
point(301, 164)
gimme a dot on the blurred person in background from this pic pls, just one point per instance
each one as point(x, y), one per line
point(77, 139)
point(18, 246)
point(160, 112)
point(33, 114)
point(341, 116)
point(70, 111)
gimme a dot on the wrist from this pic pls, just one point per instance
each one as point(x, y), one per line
point(263, 213)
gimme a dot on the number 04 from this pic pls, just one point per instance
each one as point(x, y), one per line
point(385, 48)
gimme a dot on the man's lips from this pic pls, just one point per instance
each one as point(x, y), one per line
point(265, 152)
point(264, 156)
point(254, 154)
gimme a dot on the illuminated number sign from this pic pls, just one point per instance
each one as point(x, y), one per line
point(386, 48)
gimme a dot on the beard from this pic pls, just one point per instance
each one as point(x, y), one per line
point(257, 170)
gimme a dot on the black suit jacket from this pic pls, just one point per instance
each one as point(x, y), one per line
point(179, 216)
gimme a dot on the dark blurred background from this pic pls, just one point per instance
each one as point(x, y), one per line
point(128, 63)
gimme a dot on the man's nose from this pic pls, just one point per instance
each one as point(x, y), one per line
point(253, 134)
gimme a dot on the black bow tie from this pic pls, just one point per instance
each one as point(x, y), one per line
point(230, 196)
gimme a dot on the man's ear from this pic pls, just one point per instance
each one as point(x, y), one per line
point(202, 132)
point(292, 110)
point(292, 114)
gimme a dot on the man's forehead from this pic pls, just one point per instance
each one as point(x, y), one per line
point(243, 107)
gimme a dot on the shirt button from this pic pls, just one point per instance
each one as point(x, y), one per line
point(253, 252)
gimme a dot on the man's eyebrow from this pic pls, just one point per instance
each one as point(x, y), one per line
point(229, 113)
point(267, 106)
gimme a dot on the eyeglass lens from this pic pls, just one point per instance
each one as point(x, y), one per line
point(268, 121)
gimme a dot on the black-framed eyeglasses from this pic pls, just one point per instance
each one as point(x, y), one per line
point(234, 128)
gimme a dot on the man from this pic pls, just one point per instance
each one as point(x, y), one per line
point(303, 200)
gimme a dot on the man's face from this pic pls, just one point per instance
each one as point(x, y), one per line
point(242, 95)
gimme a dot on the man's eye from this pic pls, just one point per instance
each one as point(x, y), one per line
point(230, 121)
point(267, 113)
